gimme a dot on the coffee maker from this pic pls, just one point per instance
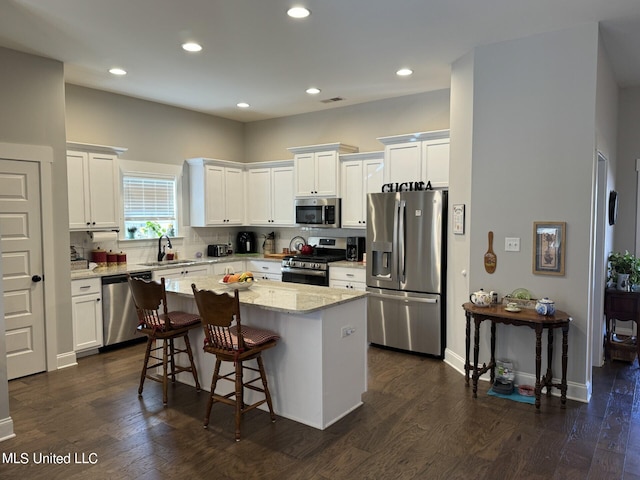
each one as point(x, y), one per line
point(355, 248)
point(246, 243)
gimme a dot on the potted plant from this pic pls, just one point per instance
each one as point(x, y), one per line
point(132, 232)
point(624, 270)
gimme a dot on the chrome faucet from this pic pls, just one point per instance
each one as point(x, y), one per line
point(161, 248)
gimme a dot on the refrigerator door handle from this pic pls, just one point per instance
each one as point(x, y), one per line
point(401, 239)
point(403, 299)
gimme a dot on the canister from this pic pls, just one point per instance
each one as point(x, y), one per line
point(122, 258)
point(112, 258)
point(99, 257)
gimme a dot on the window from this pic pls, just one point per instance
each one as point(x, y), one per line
point(149, 205)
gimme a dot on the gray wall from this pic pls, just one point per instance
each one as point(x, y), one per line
point(32, 99)
point(533, 145)
point(626, 175)
point(357, 125)
point(152, 132)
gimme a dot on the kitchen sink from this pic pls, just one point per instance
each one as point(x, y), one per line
point(173, 263)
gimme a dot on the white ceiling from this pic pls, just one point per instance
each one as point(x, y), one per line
point(254, 53)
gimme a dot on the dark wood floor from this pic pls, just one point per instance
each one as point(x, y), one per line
point(418, 421)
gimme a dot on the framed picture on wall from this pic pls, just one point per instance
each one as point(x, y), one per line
point(549, 241)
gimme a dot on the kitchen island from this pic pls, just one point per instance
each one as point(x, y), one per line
point(317, 372)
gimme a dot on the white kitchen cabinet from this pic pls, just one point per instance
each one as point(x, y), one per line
point(351, 278)
point(316, 169)
point(265, 270)
point(417, 157)
point(86, 314)
point(362, 173)
point(216, 192)
point(270, 194)
point(237, 266)
point(93, 180)
point(180, 273)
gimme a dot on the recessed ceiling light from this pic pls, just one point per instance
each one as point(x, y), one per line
point(404, 72)
point(313, 91)
point(298, 12)
point(243, 105)
point(192, 47)
point(117, 71)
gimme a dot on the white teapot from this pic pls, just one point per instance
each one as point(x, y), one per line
point(481, 298)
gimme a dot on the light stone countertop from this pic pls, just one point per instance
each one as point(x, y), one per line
point(270, 295)
point(348, 264)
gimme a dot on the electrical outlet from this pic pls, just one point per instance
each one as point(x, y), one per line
point(346, 331)
point(512, 244)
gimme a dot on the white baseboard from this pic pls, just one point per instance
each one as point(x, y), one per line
point(67, 359)
point(575, 391)
point(6, 429)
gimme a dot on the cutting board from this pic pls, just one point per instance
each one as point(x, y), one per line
point(276, 255)
point(490, 258)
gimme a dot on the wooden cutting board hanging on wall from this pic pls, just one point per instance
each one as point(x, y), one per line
point(490, 258)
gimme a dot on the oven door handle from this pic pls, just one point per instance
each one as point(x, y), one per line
point(305, 271)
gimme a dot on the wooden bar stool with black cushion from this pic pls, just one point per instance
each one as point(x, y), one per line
point(149, 298)
point(230, 341)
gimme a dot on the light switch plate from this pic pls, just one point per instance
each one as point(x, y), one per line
point(512, 244)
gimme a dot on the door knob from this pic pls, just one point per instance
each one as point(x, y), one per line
point(36, 278)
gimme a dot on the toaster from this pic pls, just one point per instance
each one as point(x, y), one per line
point(217, 250)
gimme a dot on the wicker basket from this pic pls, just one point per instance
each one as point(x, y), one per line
point(625, 349)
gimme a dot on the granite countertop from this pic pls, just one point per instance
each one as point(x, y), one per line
point(348, 264)
point(99, 272)
point(275, 296)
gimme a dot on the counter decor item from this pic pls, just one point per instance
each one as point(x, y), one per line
point(296, 244)
point(112, 258)
point(549, 248)
point(99, 256)
point(624, 270)
point(481, 298)
point(122, 258)
point(546, 307)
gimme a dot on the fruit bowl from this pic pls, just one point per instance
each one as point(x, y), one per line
point(237, 285)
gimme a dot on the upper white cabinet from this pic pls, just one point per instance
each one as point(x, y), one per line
point(417, 157)
point(317, 172)
point(93, 179)
point(216, 191)
point(362, 173)
point(270, 193)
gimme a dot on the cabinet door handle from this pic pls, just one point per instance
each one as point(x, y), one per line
point(85, 286)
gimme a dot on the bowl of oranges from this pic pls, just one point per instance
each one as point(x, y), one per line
point(239, 281)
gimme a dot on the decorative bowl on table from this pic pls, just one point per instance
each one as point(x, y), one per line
point(237, 285)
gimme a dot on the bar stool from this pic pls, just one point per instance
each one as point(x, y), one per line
point(235, 343)
point(148, 297)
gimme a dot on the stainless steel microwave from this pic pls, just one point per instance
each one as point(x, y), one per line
point(318, 212)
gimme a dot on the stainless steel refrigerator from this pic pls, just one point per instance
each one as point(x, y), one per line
point(406, 270)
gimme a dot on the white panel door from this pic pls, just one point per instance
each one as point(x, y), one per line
point(352, 194)
point(77, 186)
point(435, 162)
point(305, 175)
point(402, 162)
point(326, 173)
point(214, 196)
point(21, 237)
point(234, 196)
point(103, 190)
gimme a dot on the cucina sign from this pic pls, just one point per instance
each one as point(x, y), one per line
point(406, 187)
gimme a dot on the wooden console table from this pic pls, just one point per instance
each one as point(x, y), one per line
point(528, 318)
point(622, 306)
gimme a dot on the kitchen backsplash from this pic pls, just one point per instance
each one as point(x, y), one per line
point(192, 241)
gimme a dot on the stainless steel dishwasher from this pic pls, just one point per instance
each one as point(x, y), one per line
point(118, 311)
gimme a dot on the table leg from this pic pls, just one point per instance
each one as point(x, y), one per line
point(468, 346)
point(565, 348)
point(538, 361)
point(548, 378)
point(493, 352)
point(476, 351)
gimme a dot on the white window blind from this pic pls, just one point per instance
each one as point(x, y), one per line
point(149, 198)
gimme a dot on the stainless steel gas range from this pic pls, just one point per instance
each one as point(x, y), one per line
point(314, 269)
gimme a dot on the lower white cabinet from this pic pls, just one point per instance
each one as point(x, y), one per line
point(86, 313)
point(348, 277)
point(265, 270)
point(237, 266)
point(181, 272)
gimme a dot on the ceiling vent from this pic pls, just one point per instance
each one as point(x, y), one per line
point(332, 100)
